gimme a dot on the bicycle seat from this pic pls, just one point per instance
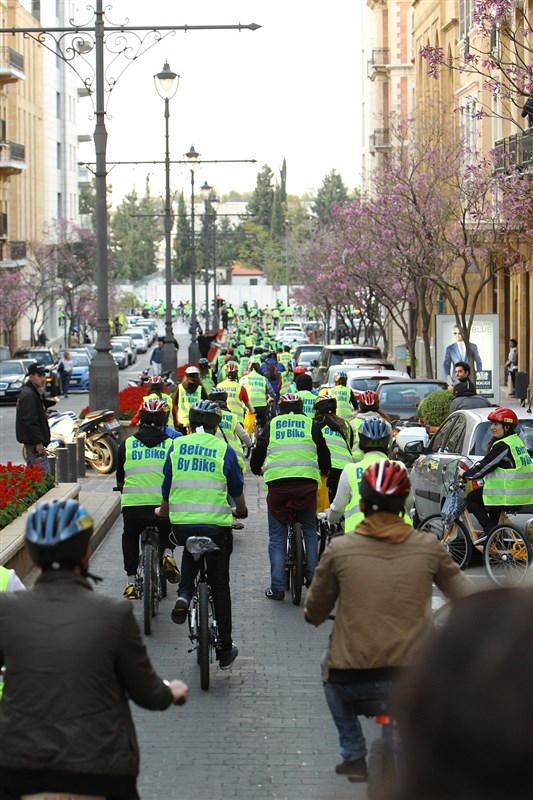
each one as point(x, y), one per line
point(370, 708)
point(198, 545)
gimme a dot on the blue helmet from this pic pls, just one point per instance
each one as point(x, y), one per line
point(205, 413)
point(374, 434)
point(58, 533)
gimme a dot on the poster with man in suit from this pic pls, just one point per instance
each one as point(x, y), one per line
point(484, 344)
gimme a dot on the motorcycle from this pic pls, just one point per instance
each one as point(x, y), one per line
point(143, 377)
point(404, 432)
point(101, 431)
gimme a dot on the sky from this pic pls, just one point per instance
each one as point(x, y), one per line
point(288, 90)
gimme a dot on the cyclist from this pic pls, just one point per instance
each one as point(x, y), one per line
point(339, 438)
point(207, 377)
point(368, 409)
point(381, 578)
point(304, 389)
point(507, 472)
point(346, 402)
point(156, 389)
point(294, 453)
point(259, 391)
point(140, 462)
point(189, 392)
point(73, 659)
point(199, 474)
point(9, 582)
point(238, 399)
point(230, 428)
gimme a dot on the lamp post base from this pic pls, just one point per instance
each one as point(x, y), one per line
point(169, 359)
point(103, 382)
point(194, 353)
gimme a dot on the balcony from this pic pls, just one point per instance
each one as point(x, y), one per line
point(12, 255)
point(378, 66)
point(85, 178)
point(379, 140)
point(11, 66)
point(12, 159)
point(514, 154)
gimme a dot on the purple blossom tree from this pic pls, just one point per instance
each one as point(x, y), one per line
point(14, 301)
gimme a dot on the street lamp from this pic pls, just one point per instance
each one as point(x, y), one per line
point(194, 353)
point(214, 203)
point(205, 191)
point(166, 86)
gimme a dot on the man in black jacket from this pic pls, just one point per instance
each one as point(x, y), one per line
point(73, 658)
point(31, 424)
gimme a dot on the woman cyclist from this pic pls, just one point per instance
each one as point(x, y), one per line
point(339, 438)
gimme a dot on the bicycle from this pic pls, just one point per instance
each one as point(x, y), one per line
point(295, 562)
point(326, 531)
point(506, 552)
point(203, 628)
point(150, 581)
point(383, 755)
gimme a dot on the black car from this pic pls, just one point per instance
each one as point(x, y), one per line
point(49, 359)
point(13, 374)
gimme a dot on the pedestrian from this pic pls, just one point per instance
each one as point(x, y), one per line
point(462, 698)
point(157, 356)
point(73, 660)
point(41, 339)
point(31, 423)
point(205, 340)
point(465, 396)
point(65, 367)
point(512, 365)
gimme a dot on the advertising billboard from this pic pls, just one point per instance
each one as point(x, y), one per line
point(484, 341)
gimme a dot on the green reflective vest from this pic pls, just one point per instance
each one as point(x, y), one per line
point(353, 515)
point(287, 378)
point(255, 385)
point(226, 430)
point(285, 359)
point(143, 471)
point(243, 364)
point(356, 425)
point(511, 487)
point(340, 452)
point(343, 395)
point(308, 401)
point(185, 401)
point(233, 388)
point(4, 578)
point(199, 489)
point(291, 451)
point(207, 381)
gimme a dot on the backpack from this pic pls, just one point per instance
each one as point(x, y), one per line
point(272, 372)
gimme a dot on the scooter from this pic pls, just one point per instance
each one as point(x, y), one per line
point(404, 432)
point(101, 431)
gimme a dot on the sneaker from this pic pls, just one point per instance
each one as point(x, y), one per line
point(356, 769)
point(227, 657)
point(170, 569)
point(179, 612)
point(131, 592)
point(275, 594)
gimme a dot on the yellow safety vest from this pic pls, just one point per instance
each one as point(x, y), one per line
point(255, 385)
point(143, 470)
point(185, 401)
point(233, 388)
point(291, 451)
point(511, 487)
point(353, 515)
point(226, 428)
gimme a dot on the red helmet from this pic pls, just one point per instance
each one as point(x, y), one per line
point(154, 405)
point(369, 399)
point(300, 370)
point(291, 402)
point(231, 367)
point(388, 478)
point(504, 415)
point(155, 379)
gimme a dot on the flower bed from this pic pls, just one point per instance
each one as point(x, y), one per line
point(20, 487)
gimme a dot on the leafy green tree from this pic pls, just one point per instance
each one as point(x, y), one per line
point(332, 193)
point(260, 204)
point(182, 242)
point(136, 231)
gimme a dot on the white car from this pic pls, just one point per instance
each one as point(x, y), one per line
point(362, 378)
point(139, 337)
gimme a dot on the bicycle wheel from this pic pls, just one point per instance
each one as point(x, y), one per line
point(203, 635)
point(455, 538)
point(381, 768)
point(506, 555)
point(149, 587)
point(297, 563)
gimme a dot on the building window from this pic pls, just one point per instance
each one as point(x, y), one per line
point(469, 133)
point(59, 205)
point(58, 105)
point(465, 17)
point(58, 154)
point(253, 281)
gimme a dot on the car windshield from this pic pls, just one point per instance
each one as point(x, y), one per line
point(365, 384)
point(9, 368)
point(338, 356)
point(405, 394)
point(117, 348)
point(80, 360)
point(41, 356)
point(483, 435)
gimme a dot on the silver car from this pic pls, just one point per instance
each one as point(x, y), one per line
point(463, 435)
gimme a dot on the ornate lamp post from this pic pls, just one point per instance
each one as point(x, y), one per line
point(214, 203)
point(166, 84)
point(205, 191)
point(194, 353)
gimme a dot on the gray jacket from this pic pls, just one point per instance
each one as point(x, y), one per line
point(468, 401)
point(73, 659)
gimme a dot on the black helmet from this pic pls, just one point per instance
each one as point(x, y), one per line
point(58, 534)
point(374, 434)
point(205, 413)
point(291, 402)
point(219, 396)
point(325, 404)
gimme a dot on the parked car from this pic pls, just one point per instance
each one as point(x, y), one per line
point(13, 374)
point(49, 358)
point(400, 398)
point(89, 350)
point(131, 349)
point(139, 337)
point(292, 336)
point(308, 352)
point(118, 351)
point(334, 354)
point(463, 435)
point(361, 379)
point(148, 326)
point(79, 378)
point(292, 326)
point(4, 353)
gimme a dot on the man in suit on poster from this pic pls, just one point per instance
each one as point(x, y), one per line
point(457, 352)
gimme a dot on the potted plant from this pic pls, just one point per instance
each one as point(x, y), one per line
point(434, 408)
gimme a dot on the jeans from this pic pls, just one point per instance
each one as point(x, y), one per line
point(277, 547)
point(217, 575)
point(340, 698)
point(65, 380)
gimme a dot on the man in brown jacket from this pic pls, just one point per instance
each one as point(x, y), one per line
point(381, 577)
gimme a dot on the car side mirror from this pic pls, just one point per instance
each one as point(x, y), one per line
point(314, 363)
point(415, 448)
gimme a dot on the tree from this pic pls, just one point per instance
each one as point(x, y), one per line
point(14, 301)
point(182, 243)
point(260, 204)
point(332, 193)
point(136, 231)
point(39, 278)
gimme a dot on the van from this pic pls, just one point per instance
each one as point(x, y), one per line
point(333, 354)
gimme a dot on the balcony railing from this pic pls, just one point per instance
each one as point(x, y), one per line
point(514, 154)
point(379, 140)
point(11, 65)
point(379, 62)
point(12, 158)
point(12, 254)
